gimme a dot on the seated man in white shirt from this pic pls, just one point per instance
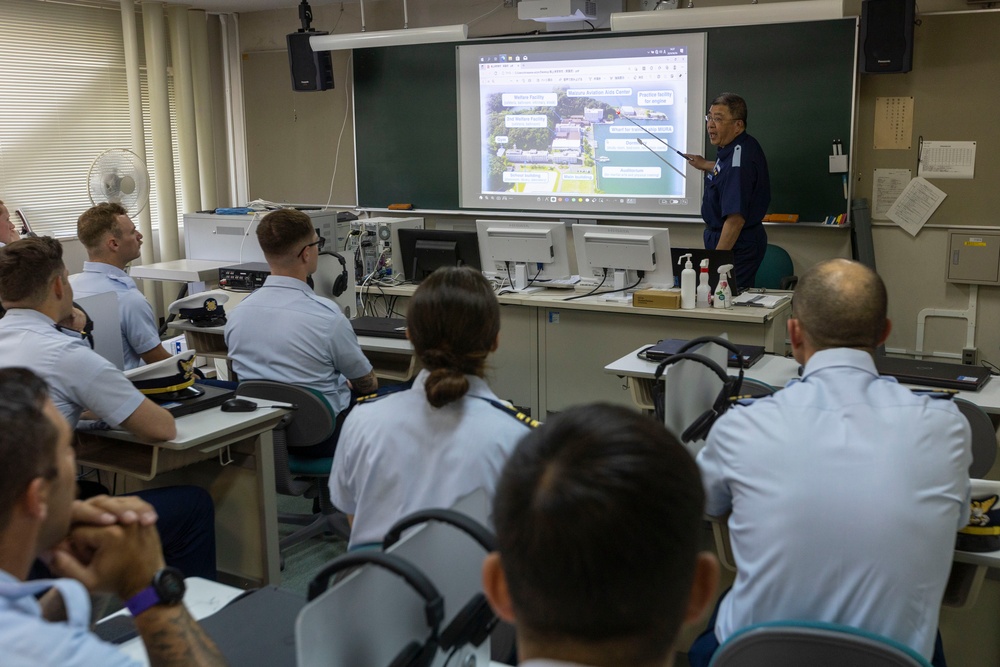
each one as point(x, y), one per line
point(103, 545)
point(8, 231)
point(598, 520)
point(284, 332)
point(112, 241)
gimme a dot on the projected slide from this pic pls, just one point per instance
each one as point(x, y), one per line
point(587, 130)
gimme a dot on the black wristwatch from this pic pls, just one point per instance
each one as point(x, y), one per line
point(167, 588)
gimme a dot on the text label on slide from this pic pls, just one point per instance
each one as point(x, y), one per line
point(648, 98)
point(522, 120)
point(529, 99)
point(632, 129)
point(524, 177)
point(578, 177)
point(602, 92)
point(633, 145)
point(630, 172)
point(501, 139)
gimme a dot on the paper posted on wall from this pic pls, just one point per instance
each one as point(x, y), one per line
point(914, 207)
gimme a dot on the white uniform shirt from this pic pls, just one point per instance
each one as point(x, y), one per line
point(139, 331)
point(78, 377)
point(397, 454)
point(284, 332)
point(846, 490)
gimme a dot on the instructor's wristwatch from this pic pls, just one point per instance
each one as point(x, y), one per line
point(167, 588)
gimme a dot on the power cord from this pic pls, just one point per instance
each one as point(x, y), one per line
point(639, 274)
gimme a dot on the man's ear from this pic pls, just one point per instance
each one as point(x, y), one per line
point(885, 332)
point(794, 332)
point(36, 498)
point(495, 587)
point(703, 587)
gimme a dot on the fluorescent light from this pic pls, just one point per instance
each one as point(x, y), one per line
point(728, 15)
point(363, 40)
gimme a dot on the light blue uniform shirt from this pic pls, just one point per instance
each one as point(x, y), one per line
point(78, 377)
point(28, 640)
point(398, 454)
point(139, 331)
point(846, 490)
point(284, 332)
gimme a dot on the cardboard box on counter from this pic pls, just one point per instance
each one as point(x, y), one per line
point(657, 298)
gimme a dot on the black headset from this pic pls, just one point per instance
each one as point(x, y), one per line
point(414, 654)
point(340, 284)
point(699, 428)
point(476, 620)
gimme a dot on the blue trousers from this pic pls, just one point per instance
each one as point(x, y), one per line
point(704, 647)
point(748, 253)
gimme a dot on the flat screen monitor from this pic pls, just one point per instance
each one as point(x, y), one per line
point(575, 126)
point(617, 257)
point(424, 250)
point(528, 254)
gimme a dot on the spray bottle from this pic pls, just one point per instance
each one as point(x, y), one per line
point(723, 295)
point(703, 289)
point(687, 283)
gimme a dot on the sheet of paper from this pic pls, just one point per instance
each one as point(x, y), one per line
point(893, 122)
point(916, 205)
point(887, 185)
point(947, 159)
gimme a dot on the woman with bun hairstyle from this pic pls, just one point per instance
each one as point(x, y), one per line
point(445, 436)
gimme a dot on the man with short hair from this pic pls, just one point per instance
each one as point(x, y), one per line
point(35, 288)
point(284, 332)
point(598, 520)
point(737, 188)
point(103, 545)
point(112, 241)
point(845, 489)
point(8, 231)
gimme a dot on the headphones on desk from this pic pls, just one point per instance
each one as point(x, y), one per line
point(414, 654)
point(476, 620)
point(699, 428)
point(340, 283)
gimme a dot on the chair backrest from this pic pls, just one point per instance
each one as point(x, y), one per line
point(776, 265)
point(984, 438)
point(310, 423)
point(756, 388)
point(103, 310)
point(796, 643)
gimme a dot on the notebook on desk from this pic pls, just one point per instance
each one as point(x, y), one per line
point(750, 354)
point(380, 327)
point(933, 373)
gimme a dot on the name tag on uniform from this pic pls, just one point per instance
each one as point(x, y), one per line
point(737, 154)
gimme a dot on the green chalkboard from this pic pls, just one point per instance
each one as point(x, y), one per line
point(798, 80)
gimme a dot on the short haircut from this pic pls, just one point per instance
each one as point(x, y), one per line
point(97, 221)
point(841, 303)
point(452, 320)
point(28, 437)
point(737, 105)
point(598, 516)
point(283, 231)
point(27, 267)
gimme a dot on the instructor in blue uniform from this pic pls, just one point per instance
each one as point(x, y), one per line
point(737, 188)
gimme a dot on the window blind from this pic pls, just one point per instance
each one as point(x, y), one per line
point(63, 101)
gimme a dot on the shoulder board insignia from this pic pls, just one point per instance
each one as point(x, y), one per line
point(384, 391)
point(946, 394)
point(513, 412)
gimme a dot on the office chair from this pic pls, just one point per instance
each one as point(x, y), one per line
point(984, 438)
point(755, 388)
point(310, 423)
point(796, 643)
point(776, 271)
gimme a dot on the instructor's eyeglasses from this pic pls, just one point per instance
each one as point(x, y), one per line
point(718, 120)
point(319, 243)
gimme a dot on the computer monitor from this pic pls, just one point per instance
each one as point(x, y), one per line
point(526, 253)
point(616, 256)
point(424, 250)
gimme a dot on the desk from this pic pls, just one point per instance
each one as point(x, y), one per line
point(229, 454)
point(181, 270)
point(546, 361)
point(391, 358)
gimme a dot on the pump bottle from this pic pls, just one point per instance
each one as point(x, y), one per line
point(687, 283)
point(703, 289)
point(723, 294)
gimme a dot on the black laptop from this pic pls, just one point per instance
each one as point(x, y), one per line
point(750, 354)
point(380, 327)
point(934, 373)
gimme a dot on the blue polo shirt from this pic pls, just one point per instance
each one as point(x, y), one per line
point(738, 184)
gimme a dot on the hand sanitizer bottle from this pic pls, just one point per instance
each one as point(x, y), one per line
point(703, 288)
point(723, 295)
point(687, 283)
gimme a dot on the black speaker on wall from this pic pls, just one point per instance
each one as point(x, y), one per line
point(311, 70)
point(887, 36)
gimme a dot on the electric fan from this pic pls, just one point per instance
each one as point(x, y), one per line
point(119, 176)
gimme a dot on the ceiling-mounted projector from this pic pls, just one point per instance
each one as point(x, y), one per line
point(557, 11)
